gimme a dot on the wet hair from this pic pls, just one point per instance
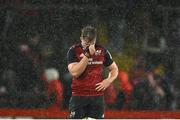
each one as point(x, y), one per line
point(89, 32)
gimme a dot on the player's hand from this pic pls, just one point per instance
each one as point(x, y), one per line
point(102, 85)
point(92, 49)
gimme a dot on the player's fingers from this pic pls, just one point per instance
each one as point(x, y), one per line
point(98, 87)
point(93, 45)
point(101, 88)
point(92, 48)
point(98, 84)
point(104, 88)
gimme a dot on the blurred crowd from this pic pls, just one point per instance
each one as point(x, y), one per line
point(32, 80)
point(142, 87)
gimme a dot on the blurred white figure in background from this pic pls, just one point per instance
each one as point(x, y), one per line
point(54, 88)
point(51, 74)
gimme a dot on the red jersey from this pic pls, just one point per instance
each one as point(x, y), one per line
point(85, 84)
point(124, 82)
point(55, 86)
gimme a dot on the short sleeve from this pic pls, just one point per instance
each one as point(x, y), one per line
point(108, 58)
point(71, 56)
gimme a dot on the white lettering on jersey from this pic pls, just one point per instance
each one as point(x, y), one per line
point(95, 62)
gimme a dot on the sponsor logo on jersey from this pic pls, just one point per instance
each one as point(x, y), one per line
point(95, 62)
point(98, 52)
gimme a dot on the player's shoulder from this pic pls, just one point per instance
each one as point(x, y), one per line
point(75, 46)
point(100, 47)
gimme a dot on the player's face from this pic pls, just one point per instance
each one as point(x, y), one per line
point(86, 42)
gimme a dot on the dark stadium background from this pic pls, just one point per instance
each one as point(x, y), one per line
point(127, 28)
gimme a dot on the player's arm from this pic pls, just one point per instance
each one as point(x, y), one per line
point(113, 72)
point(77, 68)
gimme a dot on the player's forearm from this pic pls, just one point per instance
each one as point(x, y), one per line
point(79, 68)
point(113, 73)
point(112, 76)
